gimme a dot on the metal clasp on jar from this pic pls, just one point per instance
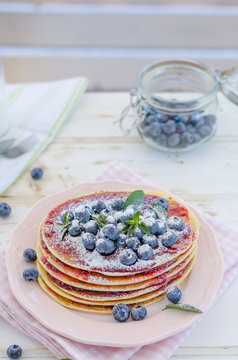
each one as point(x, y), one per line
point(133, 112)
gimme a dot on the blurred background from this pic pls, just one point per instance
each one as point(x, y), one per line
point(110, 41)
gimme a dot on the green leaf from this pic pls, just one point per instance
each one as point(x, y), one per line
point(137, 197)
point(64, 231)
point(123, 230)
point(160, 211)
point(131, 222)
point(60, 224)
point(65, 218)
point(184, 307)
point(144, 228)
point(131, 229)
point(136, 217)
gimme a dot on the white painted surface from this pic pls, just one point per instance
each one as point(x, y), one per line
point(206, 177)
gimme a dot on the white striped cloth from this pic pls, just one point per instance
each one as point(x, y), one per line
point(39, 109)
point(62, 347)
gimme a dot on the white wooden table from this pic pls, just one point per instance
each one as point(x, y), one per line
point(206, 177)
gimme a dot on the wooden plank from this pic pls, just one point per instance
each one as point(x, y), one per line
point(101, 25)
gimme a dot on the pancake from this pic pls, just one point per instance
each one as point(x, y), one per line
point(86, 280)
point(94, 281)
point(73, 253)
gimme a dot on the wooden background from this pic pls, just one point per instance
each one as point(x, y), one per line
point(110, 41)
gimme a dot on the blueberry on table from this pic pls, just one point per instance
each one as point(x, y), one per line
point(116, 204)
point(98, 206)
point(89, 241)
point(151, 240)
point(105, 246)
point(162, 202)
point(14, 352)
point(145, 252)
point(5, 210)
point(169, 238)
point(75, 228)
point(175, 222)
point(133, 243)
point(138, 312)
point(70, 215)
point(173, 294)
point(91, 227)
point(121, 312)
point(82, 214)
point(29, 255)
point(111, 232)
point(36, 173)
point(128, 257)
point(30, 274)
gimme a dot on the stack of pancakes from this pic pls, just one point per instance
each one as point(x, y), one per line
point(88, 281)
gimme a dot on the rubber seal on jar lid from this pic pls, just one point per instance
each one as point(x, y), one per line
point(229, 84)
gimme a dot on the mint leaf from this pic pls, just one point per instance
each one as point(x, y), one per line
point(184, 307)
point(125, 228)
point(144, 228)
point(63, 232)
point(136, 217)
point(137, 197)
point(160, 211)
point(131, 229)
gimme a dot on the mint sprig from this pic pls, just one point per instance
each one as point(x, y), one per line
point(100, 219)
point(160, 211)
point(131, 225)
point(185, 307)
point(137, 197)
point(65, 224)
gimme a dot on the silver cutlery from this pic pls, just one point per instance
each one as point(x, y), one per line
point(20, 149)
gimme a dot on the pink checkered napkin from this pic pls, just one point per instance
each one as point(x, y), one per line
point(62, 347)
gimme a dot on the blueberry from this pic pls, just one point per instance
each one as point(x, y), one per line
point(200, 122)
point(162, 228)
point(169, 238)
point(29, 255)
point(149, 213)
point(185, 119)
point(162, 202)
point(138, 233)
point(191, 128)
point(91, 227)
point(169, 127)
point(98, 206)
point(133, 243)
point(175, 222)
point(70, 215)
point(153, 130)
point(89, 209)
point(149, 119)
point(176, 119)
point(121, 312)
point(162, 140)
point(111, 220)
point(138, 312)
point(89, 241)
point(145, 252)
point(205, 130)
point(210, 119)
point(195, 118)
point(14, 352)
point(187, 138)
point(173, 140)
point(75, 228)
point(151, 240)
point(117, 204)
point(128, 213)
point(128, 257)
point(173, 294)
point(105, 212)
point(105, 246)
point(82, 214)
point(163, 118)
point(30, 274)
point(121, 242)
point(36, 173)
point(151, 224)
point(196, 137)
point(5, 210)
point(111, 232)
point(180, 128)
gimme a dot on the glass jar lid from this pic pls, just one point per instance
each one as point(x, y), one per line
point(229, 84)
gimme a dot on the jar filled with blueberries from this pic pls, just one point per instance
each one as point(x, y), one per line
point(175, 106)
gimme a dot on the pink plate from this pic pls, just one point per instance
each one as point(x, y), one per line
point(199, 289)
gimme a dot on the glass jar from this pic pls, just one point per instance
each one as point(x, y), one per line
point(175, 106)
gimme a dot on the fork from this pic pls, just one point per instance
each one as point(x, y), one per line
point(20, 149)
